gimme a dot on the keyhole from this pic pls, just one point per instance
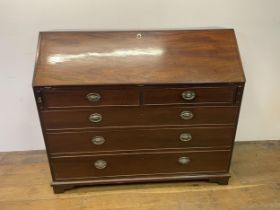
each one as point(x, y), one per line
point(139, 36)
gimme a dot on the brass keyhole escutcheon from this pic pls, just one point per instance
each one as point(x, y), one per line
point(139, 36)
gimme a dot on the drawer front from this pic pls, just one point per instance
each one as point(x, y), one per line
point(89, 97)
point(139, 139)
point(190, 95)
point(128, 116)
point(139, 164)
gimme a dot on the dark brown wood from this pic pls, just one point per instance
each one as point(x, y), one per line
point(129, 116)
point(159, 57)
point(203, 95)
point(76, 97)
point(220, 180)
point(60, 143)
point(82, 167)
point(61, 186)
point(140, 79)
point(239, 94)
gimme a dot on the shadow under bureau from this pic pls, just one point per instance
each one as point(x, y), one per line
point(127, 107)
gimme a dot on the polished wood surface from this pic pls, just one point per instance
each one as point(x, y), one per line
point(60, 143)
point(157, 57)
point(75, 97)
point(131, 86)
point(135, 116)
point(254, 184)
point(138, 164)
point(68, 98)
point(203, 95)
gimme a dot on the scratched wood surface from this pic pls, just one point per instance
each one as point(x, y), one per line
point(255, 184)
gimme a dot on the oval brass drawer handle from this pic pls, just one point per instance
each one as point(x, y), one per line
point(93, 97)
point(185, 137)
point(188, 95)
point(186, 115)
point(96, 117)
point(100, 164)
point(98, 140)
point(184, 160)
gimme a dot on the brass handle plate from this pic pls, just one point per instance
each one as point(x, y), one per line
point(188, 95)
point(96, 117)
point(186, 115)
point(98, 140)
point(184, 160)
point(185, 137)
point(93, 97)
point(100, 164)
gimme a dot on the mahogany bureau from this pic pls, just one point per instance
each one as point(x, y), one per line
point(138, 106)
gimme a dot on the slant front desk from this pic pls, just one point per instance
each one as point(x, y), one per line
point(138, 106)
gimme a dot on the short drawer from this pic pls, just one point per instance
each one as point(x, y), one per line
point(89, 97)
point(189, 95)
point(139, 139)
point(132, 116)
point(123, 164)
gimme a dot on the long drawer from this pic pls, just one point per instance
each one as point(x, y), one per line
point(138, 139)
point(92, 166)
point(129, 116)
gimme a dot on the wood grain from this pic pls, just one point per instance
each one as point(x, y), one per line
point(140, 77)
point(203, 95)
point(77, 97)
point(254, 185)
point(138, 139)
point(145, 116)
point(159, 57)
point(137, 164)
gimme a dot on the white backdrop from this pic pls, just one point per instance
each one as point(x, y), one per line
point(256, 22)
